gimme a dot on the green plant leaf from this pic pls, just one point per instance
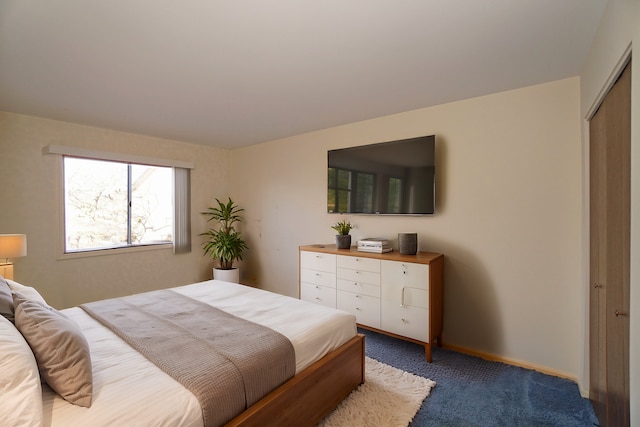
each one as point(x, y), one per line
point(342, 227)
point(224, 243)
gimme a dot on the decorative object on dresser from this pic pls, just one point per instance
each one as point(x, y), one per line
point(11, 246)
point(399, 295)
point(376, 245)
point(343, 238)
point(225, 244)
point(408, 243)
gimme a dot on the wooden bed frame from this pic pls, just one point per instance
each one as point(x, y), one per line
point(306, 398)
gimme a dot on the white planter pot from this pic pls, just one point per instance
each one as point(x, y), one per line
point(232, 275)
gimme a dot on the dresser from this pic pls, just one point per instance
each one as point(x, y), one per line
point(399, 295)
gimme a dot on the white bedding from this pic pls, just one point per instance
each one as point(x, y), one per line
point(129, 390)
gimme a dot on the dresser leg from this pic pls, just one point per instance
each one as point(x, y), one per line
point(427, 352)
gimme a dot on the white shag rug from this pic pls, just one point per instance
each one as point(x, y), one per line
point(390, 397)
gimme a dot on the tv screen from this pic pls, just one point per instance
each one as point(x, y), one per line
point(388, 178)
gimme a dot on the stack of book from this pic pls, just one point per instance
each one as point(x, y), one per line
point(374, 244)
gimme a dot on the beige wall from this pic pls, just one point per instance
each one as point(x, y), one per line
point(508, 215)
point(29, 200)
point(619, 30)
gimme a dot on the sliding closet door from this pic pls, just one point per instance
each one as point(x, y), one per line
point(618, 207)
point(610, 139)
point(597, 296)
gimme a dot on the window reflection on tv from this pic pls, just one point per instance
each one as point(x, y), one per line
point(388, 178)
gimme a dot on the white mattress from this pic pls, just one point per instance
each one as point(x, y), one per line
point(130, 390)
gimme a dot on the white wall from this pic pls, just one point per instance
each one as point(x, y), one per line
point(508, 215)
point(620, 29)
point(29, 195)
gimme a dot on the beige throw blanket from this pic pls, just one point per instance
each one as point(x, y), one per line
point(227, 362)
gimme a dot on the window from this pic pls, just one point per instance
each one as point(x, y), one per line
point(395, 195)
point(112, 204)
point(347, 188)
point(364, 192)
point(339, 190)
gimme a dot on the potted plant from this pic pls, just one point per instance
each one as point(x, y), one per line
point(224, 242)
point(343, 238)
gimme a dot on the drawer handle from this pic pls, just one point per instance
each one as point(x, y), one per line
point(402, 301)
point(317, 287)
point(620, 313)
point(358, 296)
point(358, 308)
point(355, 283)
point(318, 298)
point(404, 320)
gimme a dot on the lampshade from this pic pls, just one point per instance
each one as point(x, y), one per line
point(13, 245)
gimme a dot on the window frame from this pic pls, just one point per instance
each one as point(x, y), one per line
point(58, 221)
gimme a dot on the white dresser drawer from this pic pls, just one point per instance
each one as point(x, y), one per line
point(359, 288)
point(318, 277)
point(358, 263)
point(318, 261)
point(359, 276)
point(318, 294)
point(406, 321)
point(391, 292)
point(396, 273)
point(365, 308)
point(413, 297)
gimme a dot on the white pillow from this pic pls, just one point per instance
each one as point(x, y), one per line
point(60, 349)
point(21, 401)
point(6, 300)
point(27, 291)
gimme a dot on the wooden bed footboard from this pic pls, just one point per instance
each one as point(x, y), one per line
point(306, 398)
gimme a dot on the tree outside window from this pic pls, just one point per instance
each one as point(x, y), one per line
point(112, 204)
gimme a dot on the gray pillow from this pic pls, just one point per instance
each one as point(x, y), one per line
point(60, 349)
point(6, 300)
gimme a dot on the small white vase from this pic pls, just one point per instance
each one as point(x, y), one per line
point(232, 275)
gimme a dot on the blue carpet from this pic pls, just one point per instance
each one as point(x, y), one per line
point(471, 391)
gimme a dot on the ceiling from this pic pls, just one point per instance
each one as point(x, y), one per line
point(231, 73)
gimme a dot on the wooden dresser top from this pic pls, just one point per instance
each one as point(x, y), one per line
point(420, 257)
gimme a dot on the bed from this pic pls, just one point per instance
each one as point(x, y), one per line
point(128, 389)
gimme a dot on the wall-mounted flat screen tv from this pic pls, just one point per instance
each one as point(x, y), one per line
point(388, 178)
